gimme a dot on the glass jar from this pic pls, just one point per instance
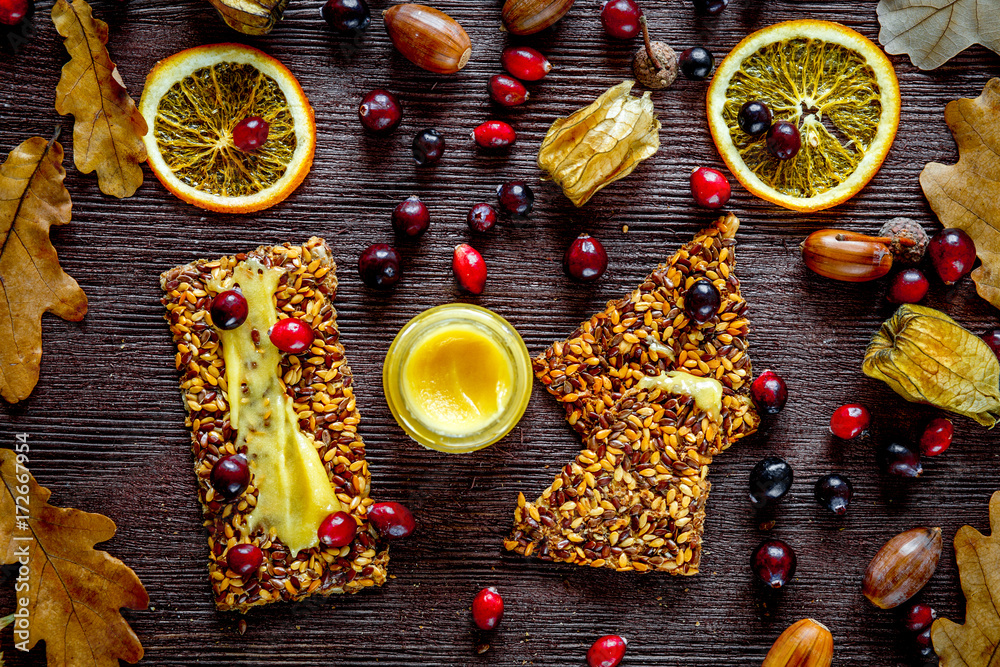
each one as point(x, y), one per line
point(486, 326)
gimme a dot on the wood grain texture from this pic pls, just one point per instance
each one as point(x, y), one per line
point(106, 424)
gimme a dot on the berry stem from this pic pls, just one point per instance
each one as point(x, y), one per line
point(649, 47)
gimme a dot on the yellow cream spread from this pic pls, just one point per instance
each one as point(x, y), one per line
point(706, 392)
point(294, 492)
point(457, 380)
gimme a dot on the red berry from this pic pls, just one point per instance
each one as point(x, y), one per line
point(494, 134)
point(229, 310)
point(13, 11)
point(244, 559)
point(769, 393)
point(924, 639)
point(585, 259)
point(607, 651)
point(709, 187)
point(783, 140)
point(250, 133)
point(507, 90)
point(774, 563)
point(909, 286)
point(620, 18)
point(849, 421)
point(392, 520)
point(230, 476)
point(487, 609)
point(338, 529)
point(291, 335)
point(411, 217)
point(525, 63)
point(469, 268)
point(482, 217)
point(953, 252)
point(992, 339)
point(936, 437)
point(380, 111)
point(379, 266)
point(918, 618)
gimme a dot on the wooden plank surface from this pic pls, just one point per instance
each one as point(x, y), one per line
point(106, 426)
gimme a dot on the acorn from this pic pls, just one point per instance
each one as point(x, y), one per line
point(428, 38)
point(902, 567)
point(847, 256)
point(807, 643)
point(526, 17)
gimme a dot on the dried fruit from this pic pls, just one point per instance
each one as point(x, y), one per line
point(927, 357)
point(934, 33)
point(601, 143)
point(526, 63)
point(526, 17)
point(807, 643)
point(487, 609)
point(250, 18)
point(902, 567)
point(847, 256)
point(608, 651)
point(469, 268)
point(507, 90)
point(494, 134)
point(428, 37)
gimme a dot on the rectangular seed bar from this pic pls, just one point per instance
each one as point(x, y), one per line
point(319, 383)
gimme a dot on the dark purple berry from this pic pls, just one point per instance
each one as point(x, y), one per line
point(516, 198)
point(482, 217)
point(428, 147)
point(701, 301)
point(230, 476)
point(774, 563)
point(229, 309)
point(696, 63)
point(379, 266)
point(899, 459)
point(783, 140)
point(411, 217)
point(953, 252)
point(754, 118)
point(770, 480)
point(346, 15)
point(380, 111)
point(833, 492)
point(710, 7)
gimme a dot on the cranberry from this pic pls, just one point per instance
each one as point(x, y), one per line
point(13, 12)
point(909, 286)
point(992, 339)
point(380, 111)
point(229, 310)
point(487, 609)
point(770, 480)
point(918, 618)
point(469, 268)
point(379, 266)
point(507, 90)
point(769, 393)
point(849, 421)
point(953, 252)
point(585, 259)
point(702, 300)
point(783, 140)
point(250, 133)
point(754, 118)
point(411, 217)
point(428, 147)
point(230, 476)
point(482, 217)
point(923, 639)
point(620, 18)
point(710, 7)
point(346, 15)
point(774, 563)
point(709, 187)
point(516, 198)
point(392, 520)
point(291, 335)
point(338, 529)
point(526, 63)
point(494, 134)
point(936, 437)
point(834, 493)
point(899, 459)
point(696, 63)
point(244, 559)
point(607, 651)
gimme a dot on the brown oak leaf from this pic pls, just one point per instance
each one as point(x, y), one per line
point(75, 592)
point(108, 128)
point(32, 199)
point(975, 643)
point(965, 194)
point(933, 32)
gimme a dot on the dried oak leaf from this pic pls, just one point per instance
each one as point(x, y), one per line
point(965, 194)
point(75, 593)
point(32, 199)
point(933, 32)
point(108, 128)
point(977, 642)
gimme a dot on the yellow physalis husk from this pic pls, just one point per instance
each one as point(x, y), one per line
point(927, 357)
point(601, 143)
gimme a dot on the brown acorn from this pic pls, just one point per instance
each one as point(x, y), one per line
point(902, 567)
point(847, 256)
point(428, 38)
point(807, 643)
point(526, 17)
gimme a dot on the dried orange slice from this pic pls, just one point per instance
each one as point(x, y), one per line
point(838, 88)
point(193, 99)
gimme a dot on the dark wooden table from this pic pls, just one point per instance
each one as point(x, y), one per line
point(106, 426)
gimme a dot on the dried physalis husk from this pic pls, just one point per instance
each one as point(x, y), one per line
point(807, 643)
point(251, 17)
point(902, 567)
point(601, 143)
point(927, 357)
